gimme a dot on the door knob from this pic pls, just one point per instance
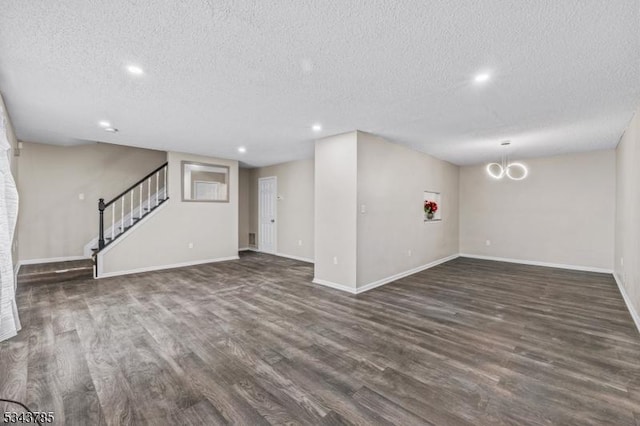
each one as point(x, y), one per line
point(273, 220)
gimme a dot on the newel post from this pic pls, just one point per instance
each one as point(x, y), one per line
point(101, 208)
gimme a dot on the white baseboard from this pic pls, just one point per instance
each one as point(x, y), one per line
point(336, 286)
point(627, 301)
point(244, 249)
point(160, 268)
point(395, 277)
point(383, 281)
point(537, 263)
point(288, 256)
point(51, 260)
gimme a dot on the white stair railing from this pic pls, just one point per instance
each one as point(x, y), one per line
point(123, 213)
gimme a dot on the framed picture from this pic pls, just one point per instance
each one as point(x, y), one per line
point(432, 206)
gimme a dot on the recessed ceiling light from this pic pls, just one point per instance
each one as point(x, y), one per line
point(483, 77)
point(111, 130)
point(135, 70)
point(316, 127)
point(242, 150)
point(104, 123)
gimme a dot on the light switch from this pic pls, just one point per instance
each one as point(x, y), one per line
point(81, 196)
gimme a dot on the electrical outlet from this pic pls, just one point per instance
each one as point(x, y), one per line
point(81, 196)
point(335, 260)
point(409, 253)
point(488, 242)
point(299, 242)
point(363, 208)
point(190, 245)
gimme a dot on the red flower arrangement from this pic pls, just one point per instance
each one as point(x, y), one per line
point(430, 206)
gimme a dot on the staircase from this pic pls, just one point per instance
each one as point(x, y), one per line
point(127, 209)
point(119, 215)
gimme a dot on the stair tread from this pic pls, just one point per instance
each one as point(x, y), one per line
point(59, 271)
point(55, 267)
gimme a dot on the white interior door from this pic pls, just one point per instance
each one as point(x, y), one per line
point(267, 212)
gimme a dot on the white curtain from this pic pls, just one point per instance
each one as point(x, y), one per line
point(9, 322)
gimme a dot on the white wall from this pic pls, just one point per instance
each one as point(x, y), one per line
point(391, 184)
point(627, 224)
point(163, 240)
point(295, 182)
point(53, 221)
point(562, 213)
point(244, 207)
point(359, 170)
point(336, 193)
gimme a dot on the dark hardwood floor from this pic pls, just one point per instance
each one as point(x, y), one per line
point(55, 272)
point(253, 342)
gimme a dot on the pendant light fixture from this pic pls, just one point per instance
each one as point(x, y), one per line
point(514, 171)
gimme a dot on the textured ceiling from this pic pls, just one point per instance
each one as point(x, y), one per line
point(224, 73)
